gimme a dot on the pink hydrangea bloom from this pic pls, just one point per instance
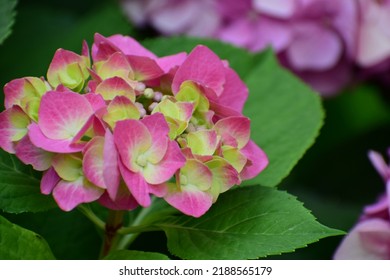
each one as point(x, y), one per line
point(131, 125)
point(370, 238)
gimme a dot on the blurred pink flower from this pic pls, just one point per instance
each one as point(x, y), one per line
point(370, 238)
point(326, 43)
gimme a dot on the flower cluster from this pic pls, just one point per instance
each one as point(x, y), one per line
point(370, 238)
point(131, 125)
point(321, 41)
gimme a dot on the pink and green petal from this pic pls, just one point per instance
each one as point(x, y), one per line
point(13, 127)
point(116, 66)
point(121, 108)
point(257, 161)
point(166, 168)
point(203, 67)
point(49, 180)
point(69, 69)
point(93, 161)
point(195, 174)
point(144, 68)
point(189, 201)
point(203, 142)
point(69, 195)
point(115, 86)
point(68, 166)
point(20, 91)
point(132, 140)
point(136, 184)
point(158, 129)
point(28, 153)
point(233, 155)
point(189, 92)
point(63, 114)
point(235, 131)
point(225, 176)
point(56, 146)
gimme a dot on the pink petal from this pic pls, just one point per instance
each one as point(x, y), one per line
point(166, 63)
point(314, 48)
point(145, 68)
point(102, 48)
point(13, 127)
point(129, 46)
point(166, 168)
point(111, 173)
point(379, 164)
point(235, 92)
point(202, 66)
point(56, 146)
point(68, 195)
point(96, 101)
point(93, 162)
point(235, 131)
point(132, 139)
point(192, 202)
point(257, 161)
point(277, 8)
point(137, 185)
point(30, 154)
point(368, 240)
point(63, 114)
point(49, 180)
point(124, 201)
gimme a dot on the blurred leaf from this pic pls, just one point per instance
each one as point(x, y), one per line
point(70, 234)
point(7, 15)
point(19, 187)
point(245, 223)
point(135, 255)
point(17, 243)
point(286, 116)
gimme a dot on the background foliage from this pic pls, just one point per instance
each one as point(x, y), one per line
point(334, 179)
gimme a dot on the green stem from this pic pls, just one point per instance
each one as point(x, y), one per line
point(86, 210)
point(114, 223)
point(134, 229)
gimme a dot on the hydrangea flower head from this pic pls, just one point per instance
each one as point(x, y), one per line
point(127, 125)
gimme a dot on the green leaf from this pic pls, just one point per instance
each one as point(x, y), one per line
point(135, 255)
point(17, 243)
point(19, 187)
point(245, 223)
point(70, 234)
point(286, 116)
point(7, 14)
